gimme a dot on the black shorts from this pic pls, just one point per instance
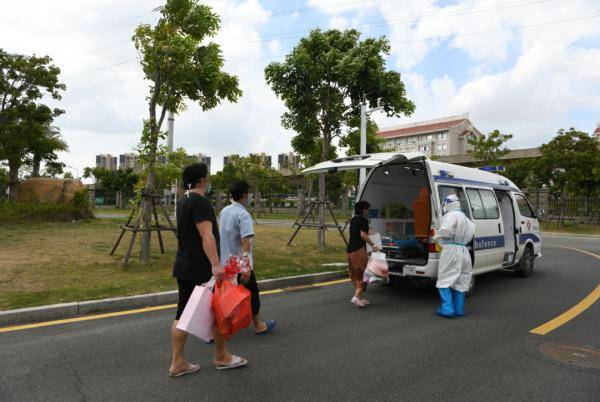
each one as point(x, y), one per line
point(185, 292)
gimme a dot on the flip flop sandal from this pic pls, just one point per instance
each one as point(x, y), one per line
point(236, 361)
point(192, 368)
point(270, 326)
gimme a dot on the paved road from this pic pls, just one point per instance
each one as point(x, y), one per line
point(324, 349)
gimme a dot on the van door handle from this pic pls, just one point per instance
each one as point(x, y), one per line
point(499, 229)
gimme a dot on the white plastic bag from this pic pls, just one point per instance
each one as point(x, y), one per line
point(377, 269)
point(376, 239)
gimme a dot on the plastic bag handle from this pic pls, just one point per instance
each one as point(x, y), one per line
point(379, 255)
point(211, 283)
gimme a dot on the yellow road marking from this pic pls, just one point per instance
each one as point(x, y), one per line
point(136, 311)
point(85, 318)
point(271, 292)
point(573, 311)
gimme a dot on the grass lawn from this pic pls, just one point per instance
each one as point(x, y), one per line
point(570, 228)
point(61, 262)
point(284, 216)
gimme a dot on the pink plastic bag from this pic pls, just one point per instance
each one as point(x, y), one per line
point(197, 318)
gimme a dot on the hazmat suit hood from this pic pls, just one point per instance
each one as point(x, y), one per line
point(451, 203)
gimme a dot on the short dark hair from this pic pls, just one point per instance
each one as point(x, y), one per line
point(192, 174)
point(238, 189)
point(360, 206)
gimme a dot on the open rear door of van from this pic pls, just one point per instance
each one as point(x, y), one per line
point(369, 161)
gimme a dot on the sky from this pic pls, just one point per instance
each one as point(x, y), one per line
point(525, 67)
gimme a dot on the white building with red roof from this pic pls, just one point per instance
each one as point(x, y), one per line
point(438, 137)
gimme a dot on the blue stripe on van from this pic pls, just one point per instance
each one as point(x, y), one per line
point(523, 237)
point(498, 186)
point(484, 243)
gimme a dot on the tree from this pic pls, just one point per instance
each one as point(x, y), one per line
point(53, 169)
point(44, 146)
point(322, 83)
point(113, 181)
point(68, 175)
point(169, 172)
point(489, 149)
point(3, 182)
point(180, 63)
point(352, 139)
point(566, 165)
point(264, 181)
point(523, 172)
point(24, 81)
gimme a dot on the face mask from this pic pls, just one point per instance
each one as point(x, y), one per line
point(208, 188)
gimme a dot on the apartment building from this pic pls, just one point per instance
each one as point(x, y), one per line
point(288, 161)
point(106, 161)
point(130, 161)
point(437, 137)
point(203, 159)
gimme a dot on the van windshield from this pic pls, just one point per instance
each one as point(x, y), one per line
point(401, 210)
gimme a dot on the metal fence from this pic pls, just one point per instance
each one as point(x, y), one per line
point(541, 199)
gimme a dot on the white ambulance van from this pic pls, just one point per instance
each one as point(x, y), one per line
point(405, 191)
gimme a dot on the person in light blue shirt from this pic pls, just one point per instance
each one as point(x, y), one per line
point(236, 231)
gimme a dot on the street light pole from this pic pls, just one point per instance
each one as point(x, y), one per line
point(364, 114)
point(171, 131)
point(75, 169)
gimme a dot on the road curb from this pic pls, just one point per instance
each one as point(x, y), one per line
point(578, 235)
point(75, 309)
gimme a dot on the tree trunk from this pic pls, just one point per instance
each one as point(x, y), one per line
point(147, 200)
point(13, 181)
point(301, 202)
point(219, 201)
point(321, 212)
point(256, 204)
point(37, 161)
point(561, 221)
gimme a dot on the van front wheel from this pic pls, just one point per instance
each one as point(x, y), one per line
point(524, 268)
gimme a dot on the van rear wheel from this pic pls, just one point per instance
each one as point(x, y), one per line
point(471, 287)
point(524, 268)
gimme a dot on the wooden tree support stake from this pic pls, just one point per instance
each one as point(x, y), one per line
point(157, 227)
point(309, 214)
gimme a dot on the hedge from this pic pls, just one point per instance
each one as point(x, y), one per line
point(38, 212)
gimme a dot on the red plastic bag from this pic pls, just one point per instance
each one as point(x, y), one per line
point(232, 309)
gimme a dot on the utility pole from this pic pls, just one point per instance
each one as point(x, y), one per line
point(364, 114)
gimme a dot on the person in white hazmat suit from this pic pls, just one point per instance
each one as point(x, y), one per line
point(454, 268)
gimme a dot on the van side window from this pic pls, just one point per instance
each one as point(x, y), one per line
point(448, 190)
point(476, 204)
point(490, 205)
point(524, 206)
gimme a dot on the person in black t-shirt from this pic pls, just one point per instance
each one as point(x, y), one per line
point(357, 251)
point(196, 262)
